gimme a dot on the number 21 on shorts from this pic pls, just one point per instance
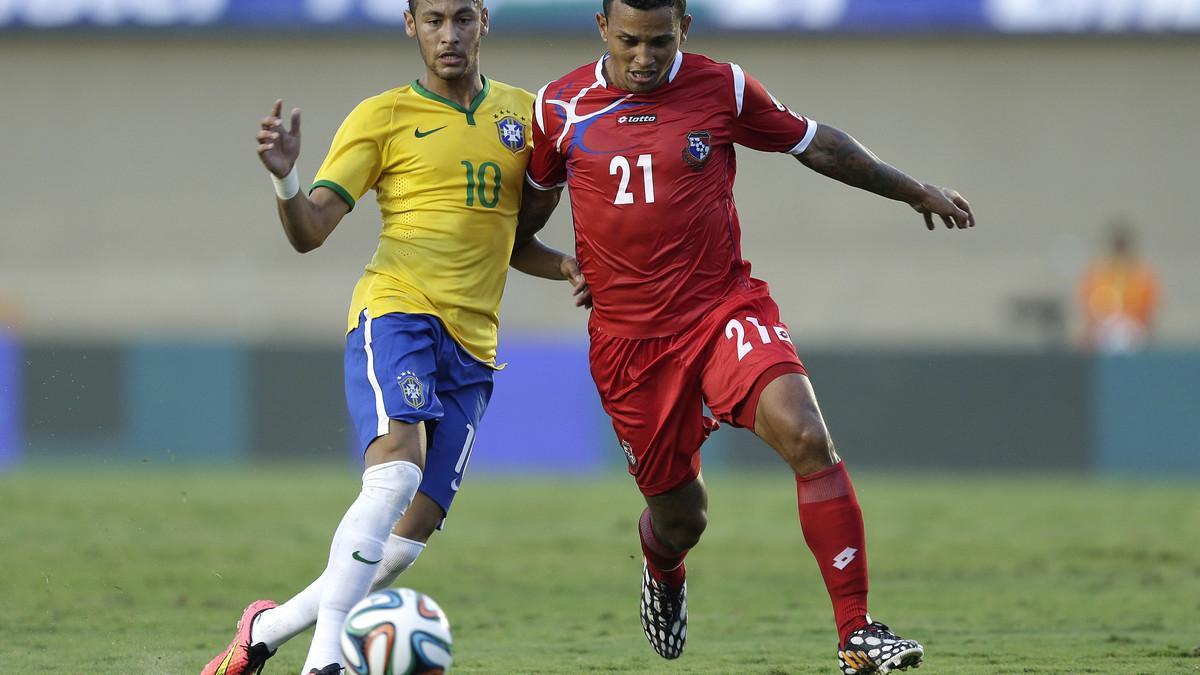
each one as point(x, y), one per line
point(736, 329)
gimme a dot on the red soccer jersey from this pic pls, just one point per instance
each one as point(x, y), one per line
point(651, 184)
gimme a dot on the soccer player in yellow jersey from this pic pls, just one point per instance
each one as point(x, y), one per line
point(447, 157)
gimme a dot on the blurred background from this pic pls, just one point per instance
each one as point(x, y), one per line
point(151, 310)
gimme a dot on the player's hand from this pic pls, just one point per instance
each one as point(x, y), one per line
point(580, 289)
point(946, 203)
point(278, 148)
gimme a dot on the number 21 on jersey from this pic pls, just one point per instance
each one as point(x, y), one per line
point(620, 166)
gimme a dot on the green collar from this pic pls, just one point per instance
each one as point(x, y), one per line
point(469, 112)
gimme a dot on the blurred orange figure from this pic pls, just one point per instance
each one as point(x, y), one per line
point(1120, 297)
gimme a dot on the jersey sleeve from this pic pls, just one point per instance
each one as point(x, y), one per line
point(355, 158)
point(547, 167)
point(763, 123)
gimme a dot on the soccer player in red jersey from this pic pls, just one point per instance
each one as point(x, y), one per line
point(645, 139)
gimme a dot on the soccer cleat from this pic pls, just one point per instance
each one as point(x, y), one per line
point(664, 615)
point(875, 649)
point(331, 669)
point(241, 657)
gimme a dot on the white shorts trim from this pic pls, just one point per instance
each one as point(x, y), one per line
point(380, 410)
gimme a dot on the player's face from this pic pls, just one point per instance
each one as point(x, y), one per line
point(448, 33)
point(642, 44)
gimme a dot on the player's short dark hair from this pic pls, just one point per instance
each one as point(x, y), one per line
point(412, 5)
point(678, 6)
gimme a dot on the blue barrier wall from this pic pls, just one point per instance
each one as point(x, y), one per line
point(545, 413)
point(964, 410)
point(10, 400)
point(1146, 413)
point(187, 402)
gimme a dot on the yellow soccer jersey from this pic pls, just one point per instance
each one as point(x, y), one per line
point(448, 181)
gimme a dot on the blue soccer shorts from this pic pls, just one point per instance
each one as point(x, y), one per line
point(407, 367)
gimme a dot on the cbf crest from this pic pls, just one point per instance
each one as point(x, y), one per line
point(698, 149)
point(513, 133)
point(412, 389)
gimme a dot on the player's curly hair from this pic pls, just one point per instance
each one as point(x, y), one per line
point(678, 6)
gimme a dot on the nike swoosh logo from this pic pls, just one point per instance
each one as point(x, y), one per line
point(361, 559)
point(454, 485)
point(423, 134)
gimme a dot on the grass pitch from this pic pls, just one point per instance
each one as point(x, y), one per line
point(145, 571)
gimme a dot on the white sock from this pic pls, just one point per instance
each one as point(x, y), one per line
point(356, 552)
point(398, 556)
point(277, 626)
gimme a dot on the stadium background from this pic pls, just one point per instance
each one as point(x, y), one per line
point(167, 362)
point(154, 311)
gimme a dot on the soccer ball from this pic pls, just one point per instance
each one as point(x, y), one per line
point(396, 631)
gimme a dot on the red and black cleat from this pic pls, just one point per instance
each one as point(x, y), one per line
point(664, 615)
point(875, 649)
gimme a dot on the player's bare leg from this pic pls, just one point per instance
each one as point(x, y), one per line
point(670, 526)
point(789, 419)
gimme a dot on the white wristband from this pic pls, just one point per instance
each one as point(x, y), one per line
point(288, 186)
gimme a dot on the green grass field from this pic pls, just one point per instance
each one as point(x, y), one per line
point(143, 571)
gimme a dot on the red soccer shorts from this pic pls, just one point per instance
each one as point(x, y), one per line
point(655, 389)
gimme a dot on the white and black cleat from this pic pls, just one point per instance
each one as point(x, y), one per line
point(664, 615)
point(875, 649)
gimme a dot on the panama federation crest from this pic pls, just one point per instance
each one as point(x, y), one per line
point(698, 149)
point(629, 456)
point(412, 389)
point(512, 133)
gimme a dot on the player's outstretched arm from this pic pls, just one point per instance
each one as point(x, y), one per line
point(836, 154)
point(307, 219)
point(531, 256)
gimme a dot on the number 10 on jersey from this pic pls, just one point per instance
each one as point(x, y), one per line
point(620, 165)
point(477, 184)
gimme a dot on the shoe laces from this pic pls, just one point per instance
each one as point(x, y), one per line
point(666, 599)
point(880, 629)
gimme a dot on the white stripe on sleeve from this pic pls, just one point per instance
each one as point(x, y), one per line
point(808, 137)
point(537, 108)
point(538, 186)
point(739, 85)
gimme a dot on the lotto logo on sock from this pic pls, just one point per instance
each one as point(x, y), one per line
point(844, 558)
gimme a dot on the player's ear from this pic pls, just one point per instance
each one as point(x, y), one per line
point(410, 24)
point(485, 21)
point(684, 24)
point(602, 23)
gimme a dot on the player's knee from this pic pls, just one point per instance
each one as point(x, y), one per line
point(682, 532)
point(804, 443)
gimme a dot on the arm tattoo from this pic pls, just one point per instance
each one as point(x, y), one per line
point(836, 154)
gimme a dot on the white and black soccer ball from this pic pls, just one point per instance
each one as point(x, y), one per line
point(396, 631)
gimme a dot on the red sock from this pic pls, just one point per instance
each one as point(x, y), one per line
point(664, 563)
point(833, 527)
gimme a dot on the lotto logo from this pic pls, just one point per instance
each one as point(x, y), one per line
point(637, 119)
point(844, 558)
